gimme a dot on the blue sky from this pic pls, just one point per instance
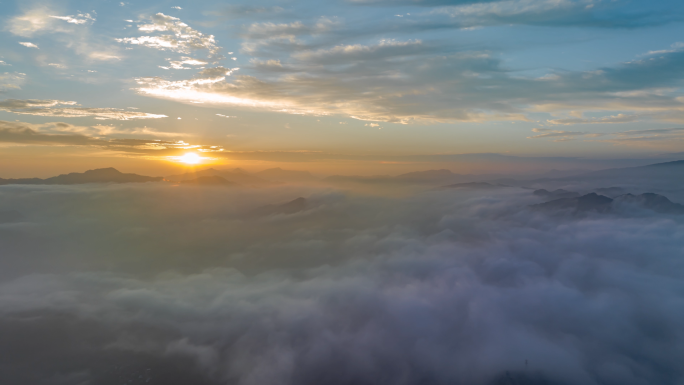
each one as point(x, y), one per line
point(114, 80)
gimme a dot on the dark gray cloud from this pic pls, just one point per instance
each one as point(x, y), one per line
point(111, 282)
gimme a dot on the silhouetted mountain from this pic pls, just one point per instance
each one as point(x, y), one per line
point(651, 201)
point(655, 175)
point(604, 204)
point(291, 207)
point(209, 181)
point(100, 175)
point(653, 171)
point(237, 176)
point(585, 203)
point(279, 175)
point(9, 216)
point(611, 191)
point(556, 194)
point(475, 186)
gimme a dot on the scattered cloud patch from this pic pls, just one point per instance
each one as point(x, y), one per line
point(28, 44)
point(11, 80)
point(174, 35)
point(81, 18)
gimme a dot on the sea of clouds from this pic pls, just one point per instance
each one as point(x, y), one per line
point(159, 284)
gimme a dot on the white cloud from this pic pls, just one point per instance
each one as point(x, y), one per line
point(28, 44)
point(174, 35)
point(81, 18)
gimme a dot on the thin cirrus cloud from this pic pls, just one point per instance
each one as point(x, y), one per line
point(69, 109)
point(652, 137)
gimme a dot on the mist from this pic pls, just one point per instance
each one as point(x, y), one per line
point(165, 284)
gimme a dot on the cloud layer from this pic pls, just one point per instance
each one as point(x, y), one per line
point(443, 287)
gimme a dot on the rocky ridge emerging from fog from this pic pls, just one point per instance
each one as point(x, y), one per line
point(100, 175)
point(593, 202)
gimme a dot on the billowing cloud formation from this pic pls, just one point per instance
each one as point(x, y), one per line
point(56, 108)
point(134, 282)
point(173, 35)
point(310, 68)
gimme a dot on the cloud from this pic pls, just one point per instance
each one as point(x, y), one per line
point(174, 35)
point(619, 118)
point(547, 13)
point(56, 108)
point(244, 10)
point(11, 80)
point(657, 137)
point(30, 22)
point(81, 18)
point(311, 68)
point(181, 64)
point(136, 141)
point(441, 287)
point(13, 132)
point(28, 44)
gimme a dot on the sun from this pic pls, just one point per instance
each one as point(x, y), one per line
point(190, 158)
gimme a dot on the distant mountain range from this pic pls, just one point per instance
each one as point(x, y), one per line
point(661, 172)
point(602, 204)
point(100, 175)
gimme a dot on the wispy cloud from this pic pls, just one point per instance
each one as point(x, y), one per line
point(81, 18)
point(657, 137)
point(69, 109)
point(11, 80)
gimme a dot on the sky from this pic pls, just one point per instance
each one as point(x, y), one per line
point(352, 86)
